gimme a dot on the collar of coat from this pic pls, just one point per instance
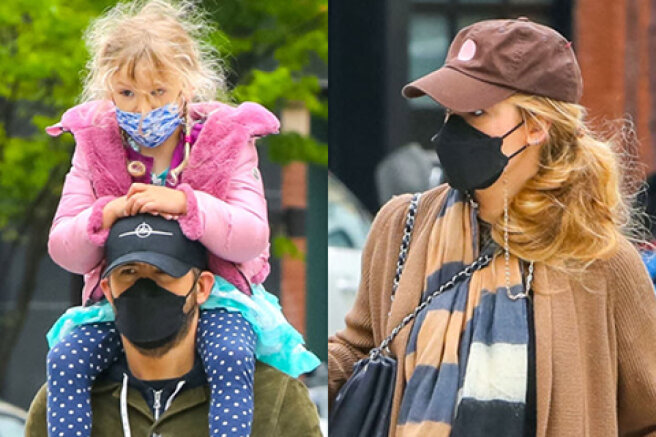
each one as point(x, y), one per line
point(226, 129)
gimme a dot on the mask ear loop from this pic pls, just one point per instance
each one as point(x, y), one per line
point(447, 115)
point(193, 286)
point(187, 123)
point(512, 130)
point(518, 151)
point(523, 147)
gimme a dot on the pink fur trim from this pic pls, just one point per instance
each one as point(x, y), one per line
point(230, 273)
point(103, 147)
point(80, 116)
point(260, 276)
point(55, 130)
point(225, 132)
point(89, 114)
point(190, 222)
point(214, 155)
point(257, 119)
point(203, 110)
point(98, 235)
point(96, 132)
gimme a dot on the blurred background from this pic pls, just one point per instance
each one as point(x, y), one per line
point(380, 142)
point(276, 53)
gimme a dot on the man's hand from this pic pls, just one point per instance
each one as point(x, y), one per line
point(153, 199)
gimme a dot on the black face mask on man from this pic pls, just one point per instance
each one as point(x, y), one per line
point(471, 159)
point(150, 316)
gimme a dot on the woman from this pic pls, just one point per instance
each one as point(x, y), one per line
point(557, 335)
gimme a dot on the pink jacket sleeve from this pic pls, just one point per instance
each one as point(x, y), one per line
point(236, 229)
point(76, 238)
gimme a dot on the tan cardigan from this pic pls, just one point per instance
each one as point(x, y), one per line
point(595, 338)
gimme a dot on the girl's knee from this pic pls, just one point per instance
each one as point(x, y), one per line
point(64, 359)
point(218, 324)
point(236, 359)
point(53, 355)
point(85, 350)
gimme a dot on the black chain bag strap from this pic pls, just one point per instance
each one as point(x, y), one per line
point(363, 405)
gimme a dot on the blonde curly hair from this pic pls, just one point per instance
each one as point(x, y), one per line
point(170, 35)
point(574, 210)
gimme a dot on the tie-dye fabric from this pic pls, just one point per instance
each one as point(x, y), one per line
point(152, 129)
point(466, 363)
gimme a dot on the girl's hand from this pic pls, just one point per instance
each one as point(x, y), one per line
point(153, 199)
point(113, 211)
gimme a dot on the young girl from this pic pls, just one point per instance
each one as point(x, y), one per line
point(143, 146)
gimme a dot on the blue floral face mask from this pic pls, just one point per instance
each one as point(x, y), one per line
point(156, 126)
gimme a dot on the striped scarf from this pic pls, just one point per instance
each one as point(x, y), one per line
point(466, 364)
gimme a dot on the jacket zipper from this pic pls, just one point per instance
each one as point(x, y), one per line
point(157, 404)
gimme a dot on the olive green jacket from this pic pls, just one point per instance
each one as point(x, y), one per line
point(282, 409)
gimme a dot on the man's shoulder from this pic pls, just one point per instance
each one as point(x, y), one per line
point(271, 382)
point(282, 405)
point(36, 416)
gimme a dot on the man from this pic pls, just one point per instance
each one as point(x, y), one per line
point(159, 337)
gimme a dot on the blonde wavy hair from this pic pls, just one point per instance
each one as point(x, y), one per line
point(574, 210)
point(170, 36)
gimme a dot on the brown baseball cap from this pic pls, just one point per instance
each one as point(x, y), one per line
point(493, 59)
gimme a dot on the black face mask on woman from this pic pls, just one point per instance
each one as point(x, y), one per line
point(150, 316)
point(471, 159)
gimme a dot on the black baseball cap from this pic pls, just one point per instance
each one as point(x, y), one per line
point(153, 240)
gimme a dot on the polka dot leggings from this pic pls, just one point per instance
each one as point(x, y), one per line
point(72, 366)
point(226, 344)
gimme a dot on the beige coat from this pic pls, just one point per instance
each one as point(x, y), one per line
point(595, 338)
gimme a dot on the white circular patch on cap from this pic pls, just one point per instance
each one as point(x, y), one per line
point(143, 230)
point(467, 51)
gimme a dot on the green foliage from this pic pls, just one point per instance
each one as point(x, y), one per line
point(282, 245)
point(278, 51)
point(274, 88)
point(290, 146)
point(41, 56)
point(41, 50)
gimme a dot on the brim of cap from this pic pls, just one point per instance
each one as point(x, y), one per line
point(169, 265)
point(457, 91)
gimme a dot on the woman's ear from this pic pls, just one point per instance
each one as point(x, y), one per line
point(537, 131)
point(205, 284)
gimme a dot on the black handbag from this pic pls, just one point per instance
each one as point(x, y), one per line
point(363, 405)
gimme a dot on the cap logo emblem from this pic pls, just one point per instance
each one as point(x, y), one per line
point(467, 51)
point(144, 230)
